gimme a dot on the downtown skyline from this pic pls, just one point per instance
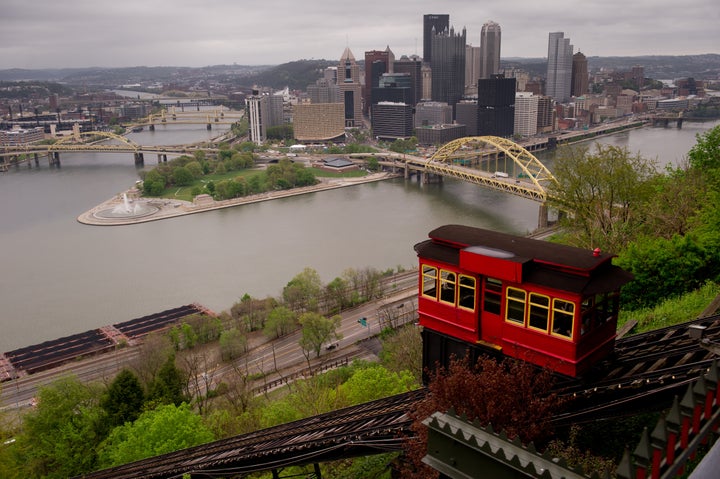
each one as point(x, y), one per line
point(82, 33)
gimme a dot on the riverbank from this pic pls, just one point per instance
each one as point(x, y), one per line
point(119, 211)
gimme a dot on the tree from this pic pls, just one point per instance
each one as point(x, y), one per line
point(154, 183)
point(233, 344)
point(318, 330)
point(603, 194)
point(665, 268)
point(403, 145)
point(152, 355)
point(373, 164)
point(182, 176)
point(195, 169)
point(280, 322)
point(705, 154)
point(123, 400)
point(166, 429)
point(376, 382)
point(169, 385)
point(303, 291)
point(251, 313)
point(280, 132)
point(511, 395)
point(337, 295)
point(402, 350)
point(199, 367)
point(364, 283)
point(59, 437)
point(255, 184)
point(677, 198)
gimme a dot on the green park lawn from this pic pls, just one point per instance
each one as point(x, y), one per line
point(185, 192)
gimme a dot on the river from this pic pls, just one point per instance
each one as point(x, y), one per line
point(60, 277)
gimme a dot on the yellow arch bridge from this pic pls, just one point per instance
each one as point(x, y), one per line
point(488, 161)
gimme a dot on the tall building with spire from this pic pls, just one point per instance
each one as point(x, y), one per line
point(559, 67)
point(448, 66)
point(489, 50)
point(432, 24)
point(350, 89)
point(580, 77)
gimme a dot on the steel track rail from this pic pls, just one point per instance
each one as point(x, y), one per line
point(632, 378)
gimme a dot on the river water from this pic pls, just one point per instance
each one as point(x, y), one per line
point(59, 277)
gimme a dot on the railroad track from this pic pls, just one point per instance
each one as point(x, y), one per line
point(645, 371)
point(658, 364)
point(355, 431)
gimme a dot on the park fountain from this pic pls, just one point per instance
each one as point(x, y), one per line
point(128, 209)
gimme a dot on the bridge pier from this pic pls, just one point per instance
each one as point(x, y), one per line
point(162, 157)
point(139, 159)
point(152, 127)
point(37, 160)
point(543, 221)
point(209, 126)
point(54, 158)
point(427, 178)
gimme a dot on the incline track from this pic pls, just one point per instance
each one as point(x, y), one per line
point(644, 369)
point(645, 372)
point(361, 430)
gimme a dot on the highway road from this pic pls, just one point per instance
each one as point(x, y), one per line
point(271, 360)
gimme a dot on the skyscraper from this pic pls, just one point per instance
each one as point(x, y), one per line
point(579, 75)
point(432, 24)
point(350, 89)
point(258, 116)
point(559, 67)
point(376, 64)
point(496, 106)
point(489, 50)
point(526, 114)
point(472, 69)
point(448, 66)
point(411, 66)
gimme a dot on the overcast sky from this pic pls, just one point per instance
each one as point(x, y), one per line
point(113, 33)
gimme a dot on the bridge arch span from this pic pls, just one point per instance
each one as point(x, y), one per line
point(75, 137)
point(488, 150)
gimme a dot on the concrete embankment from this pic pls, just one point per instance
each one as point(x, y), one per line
point(110, 213)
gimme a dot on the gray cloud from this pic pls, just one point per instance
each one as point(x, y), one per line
point(80, 33)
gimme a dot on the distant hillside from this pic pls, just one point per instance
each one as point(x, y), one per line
point(659, 67)
point(296, 75)
point(113, 77)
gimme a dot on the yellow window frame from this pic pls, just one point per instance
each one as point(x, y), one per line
point(534, 306)
point(559, 311)
point(516, 302)
point(429, 274)
point(467, 289)
point(448, 284)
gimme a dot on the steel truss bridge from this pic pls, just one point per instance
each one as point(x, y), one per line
point(493, 162)
point(217, 117)
point(489, 161)
point(75, 143)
